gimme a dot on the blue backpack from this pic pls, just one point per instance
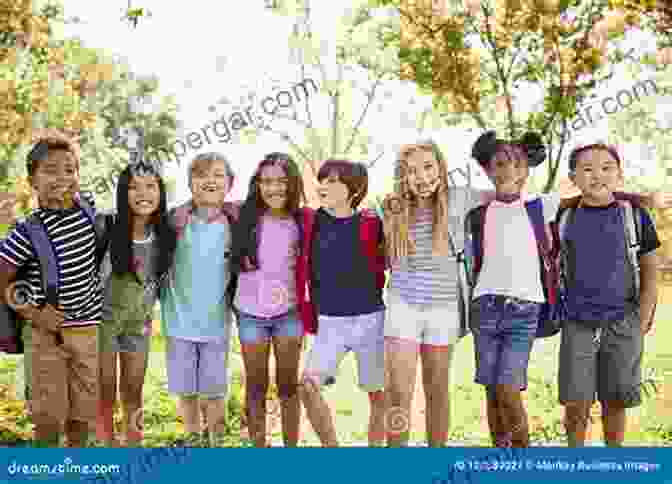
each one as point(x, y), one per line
point(11, 324)
point(554, 310)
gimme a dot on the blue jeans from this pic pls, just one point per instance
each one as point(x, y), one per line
point(504, 330)
point(253, 329)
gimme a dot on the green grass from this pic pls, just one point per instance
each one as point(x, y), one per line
point(650, 424)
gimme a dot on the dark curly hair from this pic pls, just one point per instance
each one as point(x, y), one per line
point(488, 144)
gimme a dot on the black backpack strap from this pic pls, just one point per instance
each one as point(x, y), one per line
point(475, 223)
point(104, 224)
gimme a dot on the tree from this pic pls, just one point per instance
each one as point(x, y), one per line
point(647, 126)
point(479, 58)
point(47, 83)
point(105, 151)
point(42, 83)
point(353, 83)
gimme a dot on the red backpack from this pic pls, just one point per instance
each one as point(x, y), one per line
point(369, 230)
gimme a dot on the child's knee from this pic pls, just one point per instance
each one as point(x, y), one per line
point(577, 415)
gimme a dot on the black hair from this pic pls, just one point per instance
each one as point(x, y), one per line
point(574, 155)
point(245, 234)
point(121, 240)
point(41, 150)
point(486, 146)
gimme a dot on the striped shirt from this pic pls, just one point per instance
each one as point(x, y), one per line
point(74, 242)
point(423, 278)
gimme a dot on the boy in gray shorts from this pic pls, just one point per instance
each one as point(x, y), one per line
point(611, 307)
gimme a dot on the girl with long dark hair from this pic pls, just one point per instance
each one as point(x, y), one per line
point(141, 248)
point(264, 254)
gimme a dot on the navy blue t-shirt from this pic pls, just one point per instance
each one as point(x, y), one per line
point(600, 285)
point(342, 282)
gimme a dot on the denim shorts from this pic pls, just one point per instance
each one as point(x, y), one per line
point(504, 331)
point(253, 329)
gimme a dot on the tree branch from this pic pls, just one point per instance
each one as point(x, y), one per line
point(286, 137)
point(370, 165)
point(371, 95)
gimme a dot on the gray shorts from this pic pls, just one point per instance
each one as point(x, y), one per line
point(198, 368)
point(607, 362)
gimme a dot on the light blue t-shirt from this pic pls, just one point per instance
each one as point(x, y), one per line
point(194, 307)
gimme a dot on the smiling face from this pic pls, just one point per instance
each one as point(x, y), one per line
point(273, 183)
point(597, 174)
point(56, 179)
point(210, 183)
point(508, 170)
point(144, 195)
point(422, 173)
point(334, 194)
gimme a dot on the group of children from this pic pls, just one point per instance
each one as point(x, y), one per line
point(282, 271)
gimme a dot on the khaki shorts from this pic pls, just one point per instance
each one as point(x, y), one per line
point(65, 379)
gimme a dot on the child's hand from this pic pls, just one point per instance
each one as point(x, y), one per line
point(49, 318)
point(7, 203)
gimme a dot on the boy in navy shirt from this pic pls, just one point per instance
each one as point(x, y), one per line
point(602, 343)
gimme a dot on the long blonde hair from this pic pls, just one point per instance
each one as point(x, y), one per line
point(398, 219)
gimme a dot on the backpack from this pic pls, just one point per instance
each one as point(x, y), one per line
point(460, 251)
point(554, 311)
point(369, 229)
point(632, 224)
point(11, 324)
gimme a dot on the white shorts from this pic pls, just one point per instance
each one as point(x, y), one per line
point(432, 325)
point(336, 336)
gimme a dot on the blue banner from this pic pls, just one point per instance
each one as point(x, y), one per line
point(342, 466)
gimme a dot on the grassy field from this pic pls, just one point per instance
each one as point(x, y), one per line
point(650, 424)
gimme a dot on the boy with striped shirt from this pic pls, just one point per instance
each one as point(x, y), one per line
point(64, 353)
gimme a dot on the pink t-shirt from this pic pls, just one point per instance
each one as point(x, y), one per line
point(271, 290)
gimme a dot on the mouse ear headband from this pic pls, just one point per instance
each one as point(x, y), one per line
point(486, 146)
point(144, 167)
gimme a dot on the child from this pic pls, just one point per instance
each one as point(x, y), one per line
point(141, 250)
point(423, 313)
point(344, 265)
point(602, 343)
point(63, 324)
point(195, 312)
point(508, 294)
point(265, 249)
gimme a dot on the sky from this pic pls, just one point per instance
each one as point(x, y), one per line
point(203, 50)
